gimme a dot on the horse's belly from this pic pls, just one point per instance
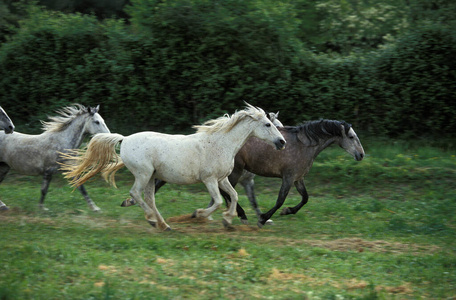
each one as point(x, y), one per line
point(178, 176)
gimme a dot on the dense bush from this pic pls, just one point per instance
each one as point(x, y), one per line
point(179, 63)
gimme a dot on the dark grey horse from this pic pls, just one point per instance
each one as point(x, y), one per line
point(39, 154)
point(304, 143)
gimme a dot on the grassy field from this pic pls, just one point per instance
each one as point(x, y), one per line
point(383, 228)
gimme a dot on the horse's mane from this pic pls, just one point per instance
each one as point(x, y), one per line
point(227, 122)
point(65, 117)
point(320, 129)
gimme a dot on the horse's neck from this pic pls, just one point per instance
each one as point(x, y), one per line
point(71, 137)
point(323, 144)
point(232, 141)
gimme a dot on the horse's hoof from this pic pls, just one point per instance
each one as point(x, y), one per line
point(269, 222)
point(260, 225)
point(286, 211)
point(226, 223)
point(4, 207)
point(194, 214)
point(152, 223)
point(42, 208)
point(245, 221)
point(128, 202)
point(168, 229)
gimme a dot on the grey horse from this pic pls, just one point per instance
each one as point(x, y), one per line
point(40, 154)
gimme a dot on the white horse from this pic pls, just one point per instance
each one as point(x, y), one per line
point(206, 156)
point(39, 154)
point(246, 179)
point(5, 122)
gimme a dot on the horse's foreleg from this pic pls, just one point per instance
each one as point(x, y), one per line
point(284, 189)
point(228, 216)
point(213, 189)
point(301, 187)
point(247, 182)
point(250, 191)
point(47, 177)
point(233, 180)
point(149, 196)
point(240, 211)
point(90, 202)
point(4, 169)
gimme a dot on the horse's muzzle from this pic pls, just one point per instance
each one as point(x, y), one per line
point(280, 144)
point(9, 129)
point(359, 156)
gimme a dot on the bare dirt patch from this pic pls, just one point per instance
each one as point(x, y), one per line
point(379, 246)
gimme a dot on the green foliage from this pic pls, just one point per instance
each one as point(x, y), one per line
point(178, 63)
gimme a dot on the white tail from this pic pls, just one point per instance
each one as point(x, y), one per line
point(99, 156)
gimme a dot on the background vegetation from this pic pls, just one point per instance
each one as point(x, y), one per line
point(165, 65)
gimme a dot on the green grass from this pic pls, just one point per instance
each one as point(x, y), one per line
point(383, 228)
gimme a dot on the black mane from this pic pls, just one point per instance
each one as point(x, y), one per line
point(320, 129)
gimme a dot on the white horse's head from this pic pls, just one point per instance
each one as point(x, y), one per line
point(351, 143)
point(265, 130)
point(5, 122)
point(96, 124)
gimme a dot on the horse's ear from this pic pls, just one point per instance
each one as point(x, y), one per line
point(277, 114)
point(93, 110)
point(345, 128)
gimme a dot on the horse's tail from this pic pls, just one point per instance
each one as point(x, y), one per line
point(99, 156)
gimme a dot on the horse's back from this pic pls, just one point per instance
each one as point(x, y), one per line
point(173, 158)
point(23, 152)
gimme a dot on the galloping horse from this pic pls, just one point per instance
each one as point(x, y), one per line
point(5, 122)
point(39, 154)
point(304, 143)
point(206, 156)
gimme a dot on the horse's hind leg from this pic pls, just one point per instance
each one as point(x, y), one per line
point(4, 169)
point(129, 202)
point(90, 202)
point(47, 177)
point(149, 196)
point(301, 187)
point(145, 182)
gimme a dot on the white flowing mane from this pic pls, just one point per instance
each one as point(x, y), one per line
point(226, 122)
point(65, 117)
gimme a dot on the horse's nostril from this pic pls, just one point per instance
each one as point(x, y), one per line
point(283, 142)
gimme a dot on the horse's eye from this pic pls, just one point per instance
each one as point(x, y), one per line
point(97, 122)
point(268, 124)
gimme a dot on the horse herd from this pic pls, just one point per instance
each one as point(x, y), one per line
point(221, 153)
